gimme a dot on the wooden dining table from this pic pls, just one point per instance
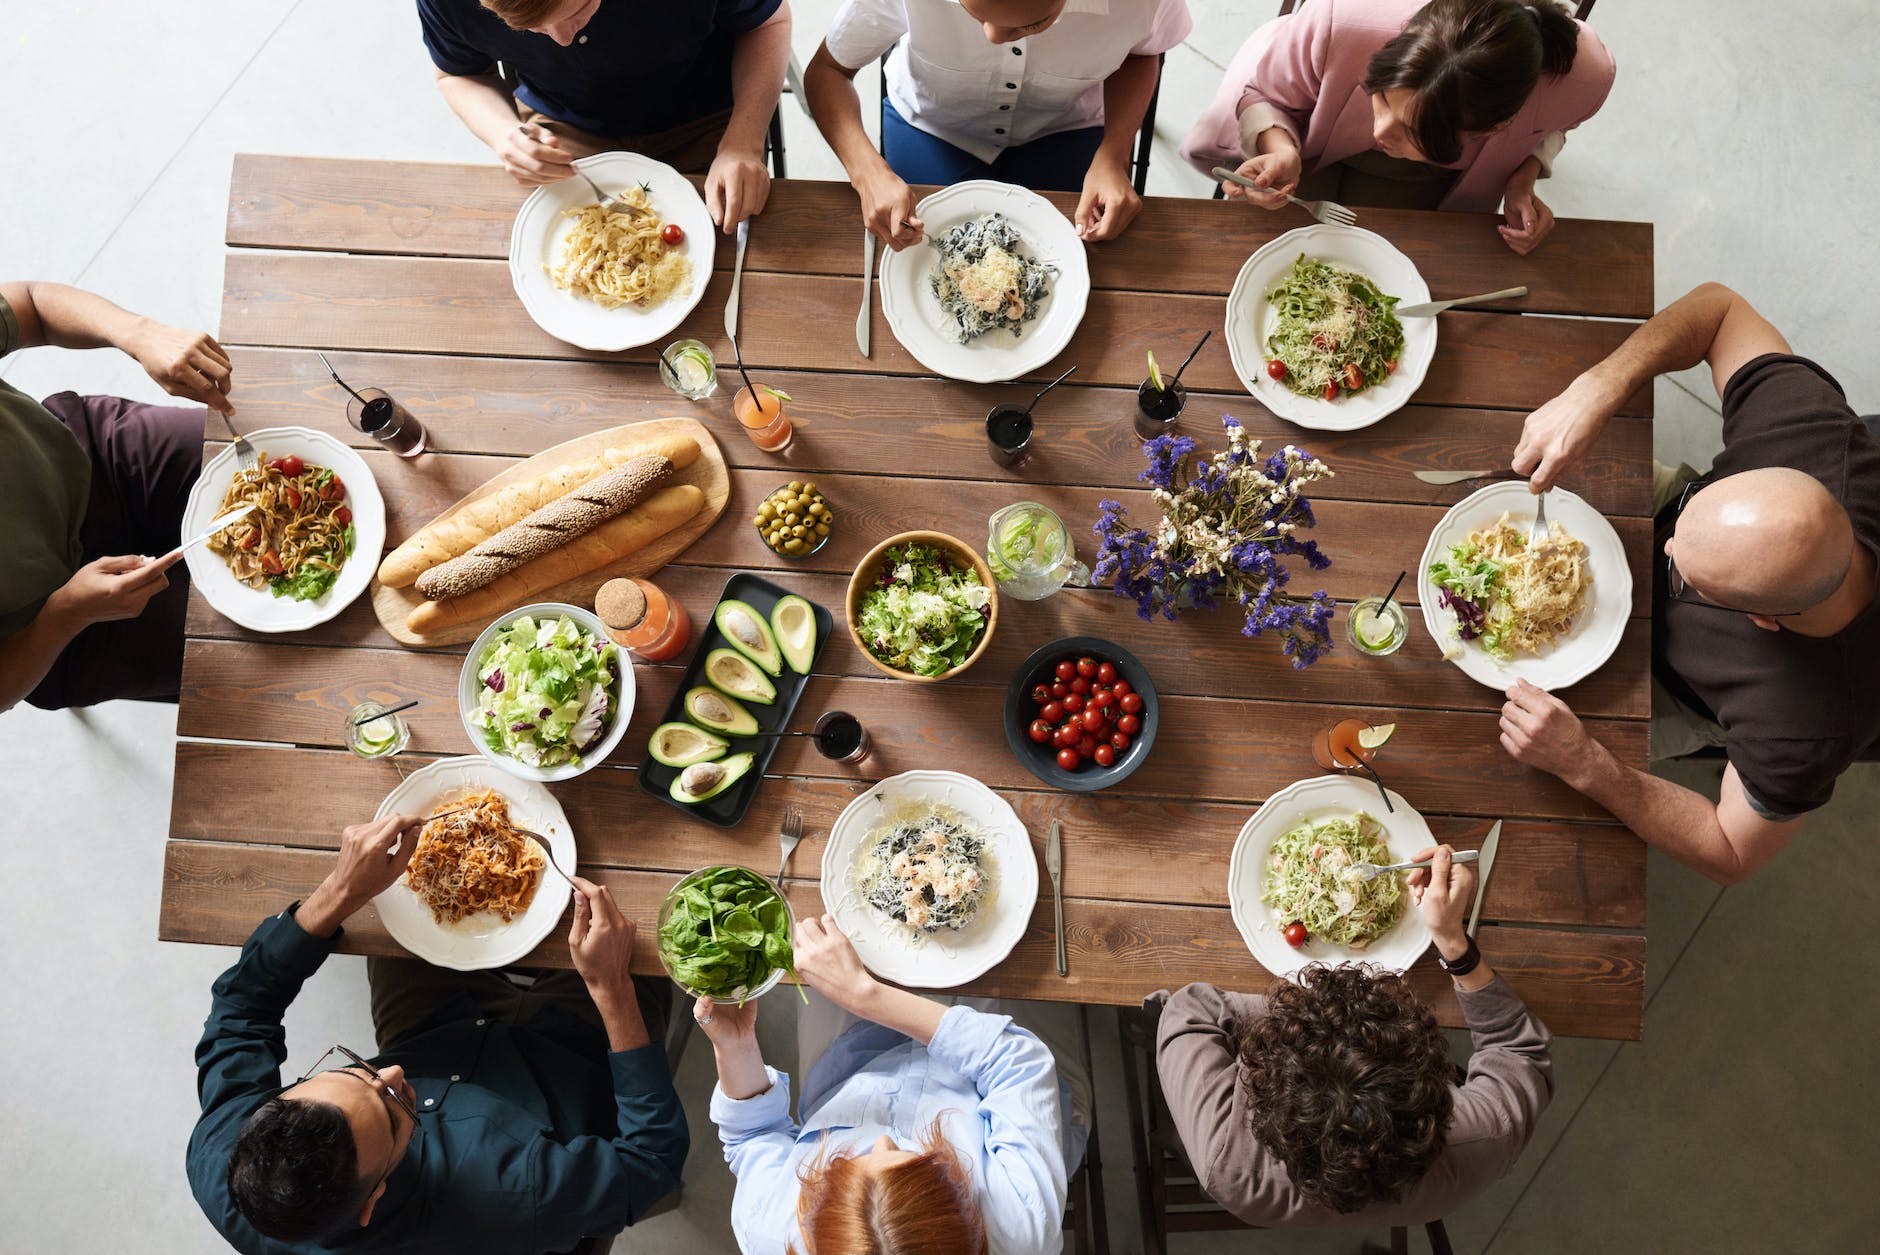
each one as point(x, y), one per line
point(397, 271)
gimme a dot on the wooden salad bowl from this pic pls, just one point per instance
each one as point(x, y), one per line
point(869, 569)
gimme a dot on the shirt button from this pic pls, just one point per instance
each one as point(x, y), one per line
point(430, 1102)
point(998, 130)
point(1018, 52)
point(455, 1077)
point(581, 40)
point(481, 1023)
point(1011, 87)
point(1003, 108)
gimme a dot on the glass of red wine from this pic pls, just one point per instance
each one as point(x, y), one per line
point(1008, 434)
point(840, 736)
point(373, 411)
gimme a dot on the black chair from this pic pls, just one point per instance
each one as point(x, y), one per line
point(1168, 1193)
point(1085, 1221)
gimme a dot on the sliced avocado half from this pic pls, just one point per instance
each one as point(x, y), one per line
point(731, 672)
point(709, 708)
point(749, 634)
point(793, 622)
point(702, 781)
point(681, 744)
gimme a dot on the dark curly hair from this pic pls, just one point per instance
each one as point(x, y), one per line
point(1350, 1084)
point(294, 1171)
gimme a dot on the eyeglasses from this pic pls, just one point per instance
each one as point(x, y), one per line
point(379, 1083)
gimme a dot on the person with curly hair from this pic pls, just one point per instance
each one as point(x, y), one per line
point(1334, 1100)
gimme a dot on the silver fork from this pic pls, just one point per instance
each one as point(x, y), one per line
point(244, 452)
point(1368, 872)
point(611, 203)
point(541, 843)
point(789, 833)
point(1538, 534)
point(1323, 210)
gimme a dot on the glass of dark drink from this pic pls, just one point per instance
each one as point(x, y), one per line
point(373, 411)
point(1158, 408)
point(1008, 434)
point(840, 737)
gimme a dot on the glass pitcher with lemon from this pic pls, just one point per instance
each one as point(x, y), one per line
point(1031, 553)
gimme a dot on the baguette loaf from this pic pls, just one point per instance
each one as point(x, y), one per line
point(548, 528)
point(483, 518)
point(615, 539)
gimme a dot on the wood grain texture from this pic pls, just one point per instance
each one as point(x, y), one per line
point(1184, 244)
point(438, 305)
point(932, 426)
point(1545, 873)
point(1580, 984)
point(1205, 749)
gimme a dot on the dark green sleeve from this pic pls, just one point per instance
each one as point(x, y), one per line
point(9, 328)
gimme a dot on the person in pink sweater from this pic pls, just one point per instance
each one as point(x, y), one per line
point(1453, 104)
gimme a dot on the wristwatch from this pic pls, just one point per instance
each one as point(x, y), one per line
point(1464, 965)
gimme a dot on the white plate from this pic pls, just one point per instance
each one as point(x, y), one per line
point(1608, 598)
point(1250, 320)
point(1308, 801)
point(258, 608)
point(914, 313)
point(945, 959)
point(542, 223)
point(470, 681)
point(481, 940)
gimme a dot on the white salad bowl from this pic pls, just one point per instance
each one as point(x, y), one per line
point(470, 685)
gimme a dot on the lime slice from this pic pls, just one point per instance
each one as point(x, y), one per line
point(1374, 738)
point(1375, 629)
point(1155, 376)
point(378, 734)
point(779, 394)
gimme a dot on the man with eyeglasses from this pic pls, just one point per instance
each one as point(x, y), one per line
point(1766, 628)
point(492, 1119)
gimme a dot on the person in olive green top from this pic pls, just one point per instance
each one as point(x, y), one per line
point(90, 487)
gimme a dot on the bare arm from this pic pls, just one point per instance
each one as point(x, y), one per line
point(828, 964)
point(1109, 201)
point(531, 156)
point(1710, 323)
point(184, 363)
point(738, 184)
point(887, 203)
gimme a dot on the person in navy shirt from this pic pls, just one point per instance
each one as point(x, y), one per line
point(692, 83)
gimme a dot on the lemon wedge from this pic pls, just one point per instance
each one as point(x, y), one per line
point(1374, 738)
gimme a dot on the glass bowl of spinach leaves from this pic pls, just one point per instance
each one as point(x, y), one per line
point(724, 934)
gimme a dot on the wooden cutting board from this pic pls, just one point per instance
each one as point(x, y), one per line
point(392, 605)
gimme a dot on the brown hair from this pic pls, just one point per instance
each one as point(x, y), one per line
point(923, 1206)
point(1471, 65)
point(522, 14)
point(1349, 1083)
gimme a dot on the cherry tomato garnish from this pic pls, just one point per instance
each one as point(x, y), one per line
point(1331, 391)
point(252, 539)
point(1104, 756)
point(292, 466)
point(1040, 731)
point(1131, 703)
point(1087, 667)
point(1390, 367)
point(1129, 725)
point(1074, 703)
point(293, 497)
point(343, 516)
point(1069, 759)
point(1106, 673)
point(1066, 735)
point(1067, 671)
point(275, 463)
point(1295, 934)
point(1323, 342)
point(333, 490)
point(1041, 694)
point(1087, 747)
point(1120, 740)
point(1060, 690)
point(1276, 369)
point(1354, 377)
point(673, 233)
point(271, 563)
point(1094, 720)
point(1081, 686)
point(1121, 687)
point(1053, 712)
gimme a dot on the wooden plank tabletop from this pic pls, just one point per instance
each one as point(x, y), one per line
point(395, 271)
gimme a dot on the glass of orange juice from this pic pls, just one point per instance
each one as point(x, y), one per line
point(1349, 744)
point(760, 410)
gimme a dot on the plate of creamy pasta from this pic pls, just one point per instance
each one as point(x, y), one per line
point(612, 278)
point(308, 548)
point(932, 877)
point(1313, 335)
point(477, 893)
point(1502, 610)
point(997, 288)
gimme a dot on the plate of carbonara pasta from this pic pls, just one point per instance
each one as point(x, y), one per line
point(1319, 301)
point(477, 893)
point(611, 277)
point(309, 547)
point(932, 876)
point(1290, 863)
point(1502, 610)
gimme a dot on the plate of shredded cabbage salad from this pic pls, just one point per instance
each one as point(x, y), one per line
point(1291, 862)
point(997, 288)
point(544, 693)
point(925, 613)
point(1320, 301)
point(1550, 615)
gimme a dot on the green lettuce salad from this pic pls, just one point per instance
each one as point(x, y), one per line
point(923, 616)
point(315, 576)
point(725, 932)
point(546, 691)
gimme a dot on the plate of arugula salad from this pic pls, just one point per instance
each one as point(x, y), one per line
point(922, 606)
point(1313, 333)
point(725, 933)
point(544, 692)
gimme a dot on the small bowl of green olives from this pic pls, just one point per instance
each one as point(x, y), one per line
point(794, 520)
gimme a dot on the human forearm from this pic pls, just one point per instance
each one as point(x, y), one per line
point(1452, 944)
point(758, 62)
point(1677, 337)
point(741, 1072)
point(1126, 95)
point(1524, 175)
point(829, 89)
point(1668, 816)
point(481, 102)
point(905, 1013)
point(52, 313)
point(620, 1015)
point(28, 654)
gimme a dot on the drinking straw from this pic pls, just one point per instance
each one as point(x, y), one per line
point(1393, 589)
point(1054, 383)
point(336, 379)
point(738, 353)
point(1191, 357)
point(359, 723)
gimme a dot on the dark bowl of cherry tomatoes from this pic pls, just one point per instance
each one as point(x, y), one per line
point(1081, 714)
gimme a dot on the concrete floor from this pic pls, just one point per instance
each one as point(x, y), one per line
point(1744, 1122)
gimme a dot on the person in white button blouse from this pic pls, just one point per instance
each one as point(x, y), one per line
point(1043, 93)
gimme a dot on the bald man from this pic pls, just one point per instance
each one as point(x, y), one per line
point(1766, 624)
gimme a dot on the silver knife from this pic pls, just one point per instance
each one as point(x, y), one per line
point(1457, 477)
point(236, 515)
point(863, 324)
point(737, 280)
point(1429, 309)
point(1054, 863)
point(1482, 868)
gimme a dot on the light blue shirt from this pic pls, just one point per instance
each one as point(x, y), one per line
point(993, 1086)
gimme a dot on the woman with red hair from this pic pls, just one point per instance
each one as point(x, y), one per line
point(926, 1129)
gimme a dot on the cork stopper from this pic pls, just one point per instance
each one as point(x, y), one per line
point(620, 604)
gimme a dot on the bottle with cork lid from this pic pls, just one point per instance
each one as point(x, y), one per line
point(641, 618)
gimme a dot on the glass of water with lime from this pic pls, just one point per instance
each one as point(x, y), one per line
point(1030, 552)
point(689, 369)
point(372, 733)
point(1377, 626)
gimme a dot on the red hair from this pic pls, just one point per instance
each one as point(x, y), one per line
point(921, 1206)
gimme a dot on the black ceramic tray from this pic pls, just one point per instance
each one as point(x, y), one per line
point(727, 809)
